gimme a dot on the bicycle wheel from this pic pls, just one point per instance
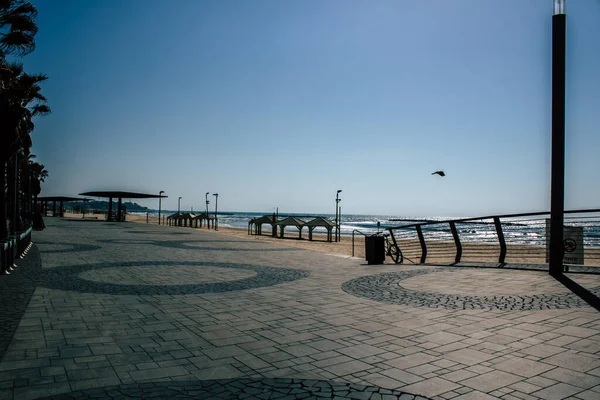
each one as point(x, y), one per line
point(395, 254)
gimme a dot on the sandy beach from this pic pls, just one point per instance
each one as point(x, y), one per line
point(442, 252)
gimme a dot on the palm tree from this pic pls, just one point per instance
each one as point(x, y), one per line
point(17, 28)
point(32, 175)
point(20, 101)
point(17, 32)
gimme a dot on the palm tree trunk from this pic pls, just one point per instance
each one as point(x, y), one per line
point(3, 219)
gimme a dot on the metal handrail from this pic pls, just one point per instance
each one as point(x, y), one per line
point(356, 230)
point(538, 213)
point(454, 240)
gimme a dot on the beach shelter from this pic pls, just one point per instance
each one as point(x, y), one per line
point(290, 221)
point(199, 219)
point(320, 221)
point(257, 224)
point(185, 219)
point(172, 219)
point(111, 194)
point(61, 199)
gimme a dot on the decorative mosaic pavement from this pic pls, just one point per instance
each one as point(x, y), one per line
point(468, 288)
point(101, 310)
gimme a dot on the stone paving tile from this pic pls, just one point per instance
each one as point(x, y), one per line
point(525, 368)
point(304, 327)
point(491, 381)
point(431, 387)
point(574, 361)
point(557, 392)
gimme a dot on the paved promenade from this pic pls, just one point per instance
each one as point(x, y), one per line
point(106, 310)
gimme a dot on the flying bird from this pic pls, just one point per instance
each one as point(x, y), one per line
point(440, 173)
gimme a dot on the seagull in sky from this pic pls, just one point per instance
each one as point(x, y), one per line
point(440, 173)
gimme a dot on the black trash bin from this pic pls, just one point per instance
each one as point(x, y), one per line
point(375, 249)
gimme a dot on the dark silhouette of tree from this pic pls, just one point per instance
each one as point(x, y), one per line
point(17, 28)
point(17, 32)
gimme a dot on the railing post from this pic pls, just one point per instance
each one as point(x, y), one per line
point(456, 242)
point(423, 244)
point(501, 240)
point(352, 243)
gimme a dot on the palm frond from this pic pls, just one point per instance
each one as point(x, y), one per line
point(17, 43)
point(26, 8)
point(18, 23)
point(40, 109)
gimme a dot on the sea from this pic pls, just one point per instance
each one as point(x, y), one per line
point(521, 230)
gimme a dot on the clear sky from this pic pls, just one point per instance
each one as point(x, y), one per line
point(281, 103)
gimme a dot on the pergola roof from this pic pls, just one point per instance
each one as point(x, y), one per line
point(186, 216)
point(291, 221)
point(174, 215)
point(61, 198)
point(265, 219)
point(204, 216)
point(320, 221)
point(123, 195)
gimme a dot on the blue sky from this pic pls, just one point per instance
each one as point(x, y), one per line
point(281, 103)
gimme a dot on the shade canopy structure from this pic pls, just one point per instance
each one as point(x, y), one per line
point(110, 194)
point(60, 199)
point(184, 219)
point(200, 218)
point(255, 224)
point(320, 221)
point(290, 221)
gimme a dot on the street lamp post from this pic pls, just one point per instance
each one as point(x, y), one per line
point(179, 205)
point(337, 215)
point(216, 224)
point(557, 184)
point(207, 220)
point(206, 198)
point(159, 204)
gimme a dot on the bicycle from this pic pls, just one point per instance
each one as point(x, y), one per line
point(392, 250)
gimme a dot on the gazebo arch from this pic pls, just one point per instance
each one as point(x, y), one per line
point(255, 225)
point(172, 219)
point(320, 221)
point(290, 221)
point(199, 219)
point(185, 219)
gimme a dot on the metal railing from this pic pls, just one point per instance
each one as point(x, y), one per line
point(13, 248)
point(502, 239)
point(356, 230)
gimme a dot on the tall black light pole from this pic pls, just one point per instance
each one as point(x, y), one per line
point(337, 215)
point(216, 224)
point(159, 204)
point(179, 205)
point(557, 184)
point(206, 198)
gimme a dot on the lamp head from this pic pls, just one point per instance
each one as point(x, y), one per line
point(339, 191)
point(559, 7)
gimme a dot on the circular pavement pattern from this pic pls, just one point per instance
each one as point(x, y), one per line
point(73, 278)
point(159, 233)
point(460, 289)
point(172, 275)
point(63, 247)
point(201, 245)
point(241, 389)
